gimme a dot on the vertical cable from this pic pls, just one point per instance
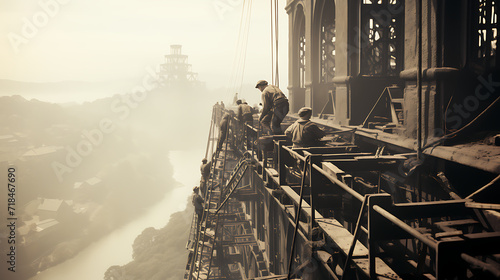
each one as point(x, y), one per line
point(276, 28)
point(272, 44)
point(244, 55)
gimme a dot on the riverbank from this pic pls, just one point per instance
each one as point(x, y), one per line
point(158, 254)
point(115, 249)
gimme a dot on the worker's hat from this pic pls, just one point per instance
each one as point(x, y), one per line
point(195, 189)
point(261, 83)
point(305, 112)
point(204, 160)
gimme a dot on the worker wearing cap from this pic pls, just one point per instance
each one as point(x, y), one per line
point(275, 107)
point(205, 173)
point(303, 132)
point(245, 112)
point(223, 130)
point(198, 203)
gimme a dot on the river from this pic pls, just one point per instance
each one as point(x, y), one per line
point(116, 247)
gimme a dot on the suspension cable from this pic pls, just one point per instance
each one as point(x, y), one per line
point(276, 27)
point(249, 15)
point(239, 59)
point(274, 42)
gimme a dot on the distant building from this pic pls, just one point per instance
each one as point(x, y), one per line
point(40, 152)
point(176, 72)
point(54, 209)
point(91, 189)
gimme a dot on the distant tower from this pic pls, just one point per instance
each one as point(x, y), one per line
point(176, 71)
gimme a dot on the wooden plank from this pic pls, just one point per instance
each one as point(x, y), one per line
point(271, 277)
point(341, 236)
point(457, 223)
point(343, 239)
point(449, 234)
point(272, 172)
point(478, 205)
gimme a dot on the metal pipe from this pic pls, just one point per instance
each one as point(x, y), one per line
point(294, 153)
point(339, 183)
point(432, 244)
point(210, 132)
point(483, 188)
point(331, 178)
point(484, 266)
point(326, 266)
point(297, 218)
point(355, 236)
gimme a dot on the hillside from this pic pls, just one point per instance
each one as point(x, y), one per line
point(158, 254)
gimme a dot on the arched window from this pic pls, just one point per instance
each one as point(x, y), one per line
point(484, 33)
point(382, 27)
point(301, 26)
point(327, 44)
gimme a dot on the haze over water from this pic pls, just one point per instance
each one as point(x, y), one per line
point(89, 55)
point(116, 248)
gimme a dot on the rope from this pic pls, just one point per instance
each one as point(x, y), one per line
point(447, 136)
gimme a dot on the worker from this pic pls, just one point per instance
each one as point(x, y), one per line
point(245, 113)
point(198, 203)
point(275, 107)
point(223, 130)
point(218, 114)
point(303, 132)
point(205, 174)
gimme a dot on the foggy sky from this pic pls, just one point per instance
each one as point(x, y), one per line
point(95, 40)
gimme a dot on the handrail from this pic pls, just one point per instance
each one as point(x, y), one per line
point(282, 155)
point(355, 236)
point(432, 244)
point(339, 183)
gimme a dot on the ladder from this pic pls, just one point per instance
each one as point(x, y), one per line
point(236, 175)
point(201, 257)
point(204, 240)
point(201, 261)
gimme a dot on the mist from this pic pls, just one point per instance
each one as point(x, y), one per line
point(88, 125)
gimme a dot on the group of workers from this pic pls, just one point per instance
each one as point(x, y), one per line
point(275, 107)
point(303, 132)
